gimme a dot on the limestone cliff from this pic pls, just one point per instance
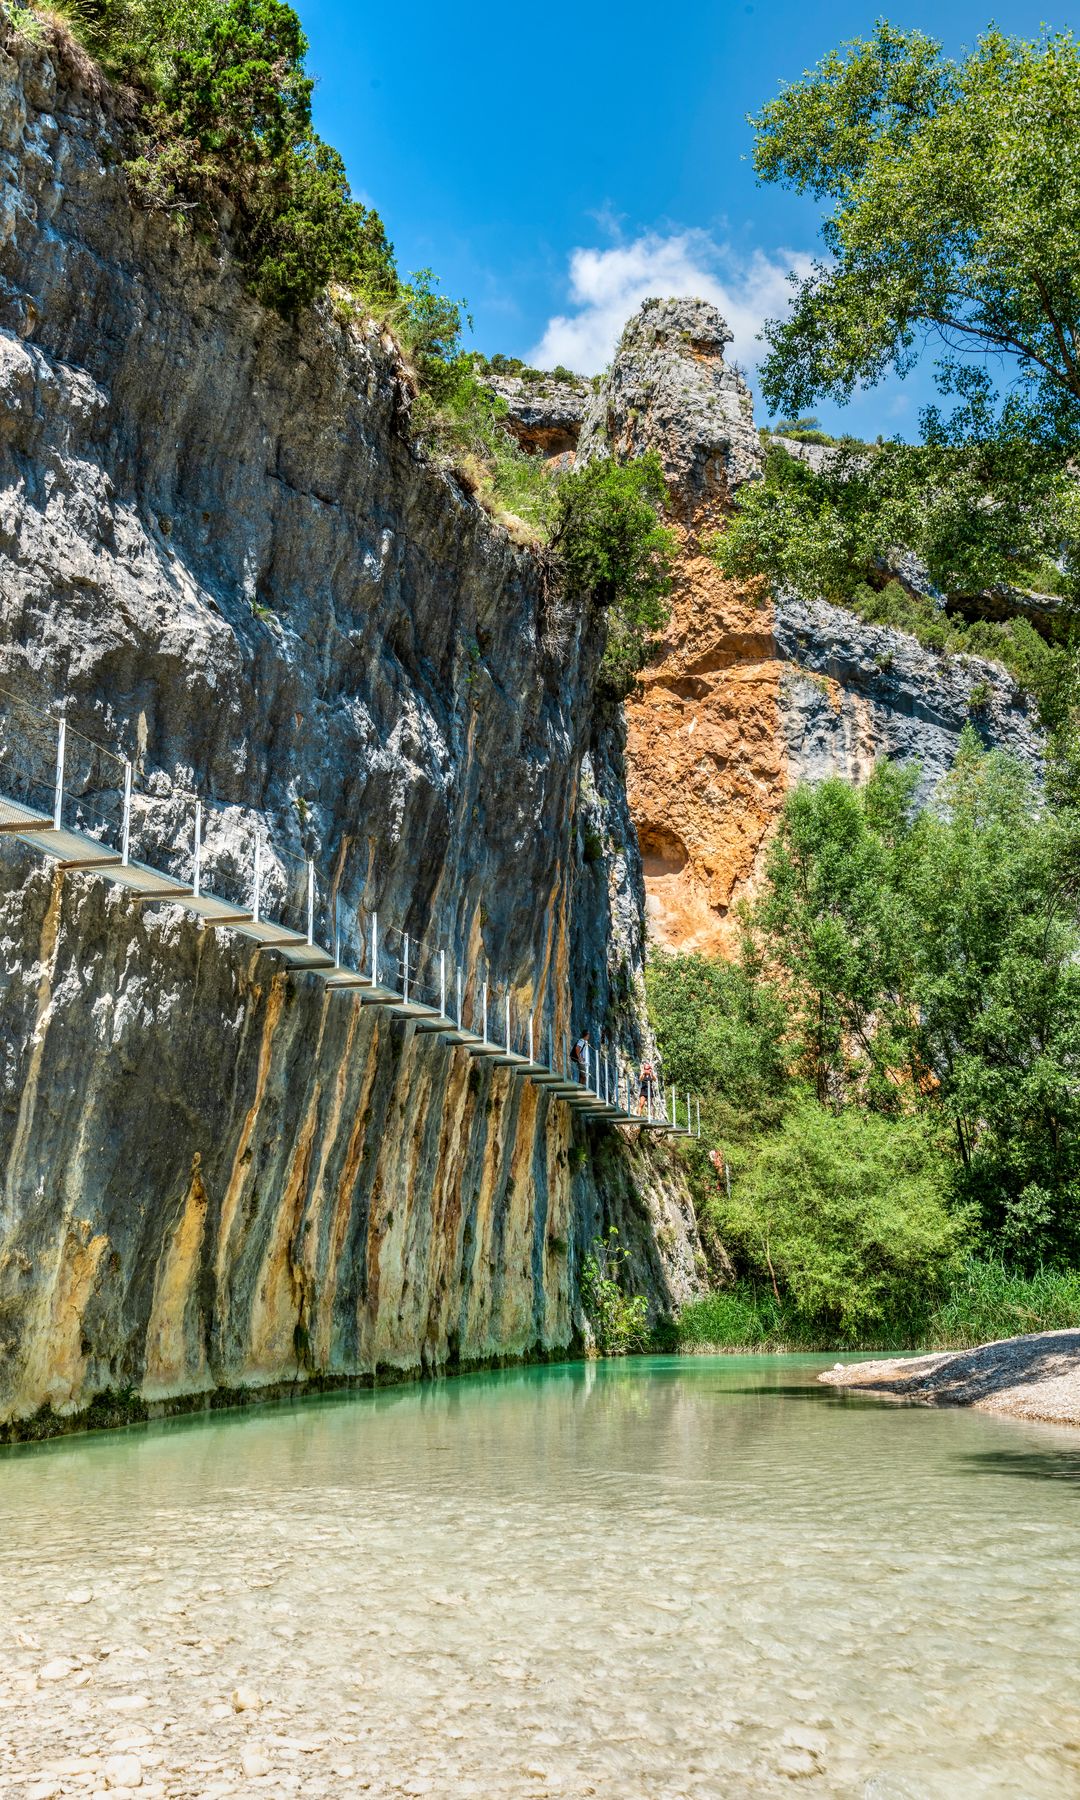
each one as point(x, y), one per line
point(749, 695)
point(221, 548)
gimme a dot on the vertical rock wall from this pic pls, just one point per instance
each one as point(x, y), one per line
point(222, 550)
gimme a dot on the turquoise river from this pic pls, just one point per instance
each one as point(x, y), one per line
point(661, 1578)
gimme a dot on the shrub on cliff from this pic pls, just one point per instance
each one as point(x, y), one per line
point(619, 1321)
point(223, 122)
point(609, 546)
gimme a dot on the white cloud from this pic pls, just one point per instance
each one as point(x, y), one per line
point(606, 286)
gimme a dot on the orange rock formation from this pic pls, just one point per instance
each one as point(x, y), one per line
point(706, 763)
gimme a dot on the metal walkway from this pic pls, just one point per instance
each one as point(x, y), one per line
point(76, 802)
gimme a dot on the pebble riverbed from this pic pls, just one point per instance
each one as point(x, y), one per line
point(661, 1579)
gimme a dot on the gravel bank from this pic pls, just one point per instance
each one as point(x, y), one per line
point(1036, 1377)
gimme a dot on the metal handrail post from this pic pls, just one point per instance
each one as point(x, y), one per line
point(507, 1037)
point(196, 871)
point(257, 882)
point(310, 901)
point(405, 982)
point(125, 849)
point(442, 984)
point(485, 998)
point(58, 795)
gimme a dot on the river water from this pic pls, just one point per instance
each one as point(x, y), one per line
point(660, 1578)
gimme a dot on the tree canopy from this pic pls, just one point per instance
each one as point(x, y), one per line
point(955, 219)
point(952, 225)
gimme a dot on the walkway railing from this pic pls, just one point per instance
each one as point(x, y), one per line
point(77, 802)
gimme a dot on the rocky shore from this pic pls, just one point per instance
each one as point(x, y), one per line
point(1036, 1377)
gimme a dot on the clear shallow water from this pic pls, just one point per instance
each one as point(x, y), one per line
point(696, 1577)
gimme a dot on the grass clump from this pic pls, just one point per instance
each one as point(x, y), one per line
point(983, 1301)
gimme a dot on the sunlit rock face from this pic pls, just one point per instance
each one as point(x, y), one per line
point(543, 412)
point(749, 695)
point(221, 546)
point(669, 389)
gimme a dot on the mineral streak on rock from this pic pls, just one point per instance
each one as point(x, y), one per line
point(748, 695)
point(219, 542)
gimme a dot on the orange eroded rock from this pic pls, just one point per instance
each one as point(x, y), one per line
point(706, 759)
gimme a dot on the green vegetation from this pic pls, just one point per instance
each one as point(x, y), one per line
point(892, 1066)
point(982, 1301)
point(609, 545)
point(953, 220)
point(806, 429)
point(954, 223)
point(1037, 665)
point(513, 365)
point(825, 533)
point(223, 119)
point(620, 1321)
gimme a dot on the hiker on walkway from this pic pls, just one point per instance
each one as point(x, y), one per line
point(646, 1090)
point(579, 1056)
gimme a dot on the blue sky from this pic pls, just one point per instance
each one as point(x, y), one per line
point(553, 165)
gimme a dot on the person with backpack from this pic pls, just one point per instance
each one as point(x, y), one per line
point(579, 1056)
point(646, 1090)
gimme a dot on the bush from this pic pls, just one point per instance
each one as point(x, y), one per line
point(610, 547)
point(982, 1302)
point(224, 115)
point(843, 1215)
point(1034, 663)
point(620, 1321)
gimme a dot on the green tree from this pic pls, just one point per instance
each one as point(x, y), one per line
point(933, 965)
point(955, 216)
point(609, 546)
point(722, 1027)
point(995, 909)
point(953, 223)
point(844, 1216)
point(833, 918)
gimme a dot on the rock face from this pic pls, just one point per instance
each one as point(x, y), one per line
point(545, 414)
point(748, 696)
point(670, 390)
point(221, 549)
